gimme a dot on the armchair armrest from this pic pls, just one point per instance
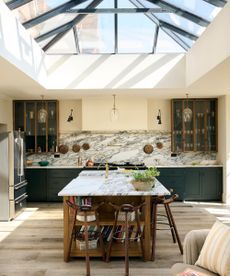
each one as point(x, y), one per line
point(193, 243)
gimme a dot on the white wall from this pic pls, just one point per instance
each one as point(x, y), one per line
point(65, 107)
point(211, 49)
point(96, 113)
point(116, 71)
point(224, 144)
point(18, 47)
point(6, 113)
point(165, 107)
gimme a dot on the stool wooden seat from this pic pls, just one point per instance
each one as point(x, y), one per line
point(170, 221)
point(127, 209)
point(85, 212)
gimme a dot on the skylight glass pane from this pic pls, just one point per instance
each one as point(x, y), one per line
point(166, 44)
point(198, 7)
point(181, 23)
point(44, 42)
point(188, 41)
point(96, 33)
point(35, 8)
point(135, 33)
point(66, 45)
point(51, 24)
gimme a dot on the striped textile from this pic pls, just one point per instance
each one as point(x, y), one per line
point(215, 253)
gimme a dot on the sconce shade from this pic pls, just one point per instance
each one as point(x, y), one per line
point(70, 118)
point(159, 117)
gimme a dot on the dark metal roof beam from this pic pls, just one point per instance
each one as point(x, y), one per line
point(177, 39)
point(76, 39)
point(118, 10)
point(217, 3)
point(51, 13)
point(62, 30)
point(155, 20)
point(177, 30)
point(115, 28)
point(155, 39)
point(14, 4)
point(178, 11)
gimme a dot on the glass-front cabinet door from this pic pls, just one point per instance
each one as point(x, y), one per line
point(195, 130)
point(30, 126)
point(39, 120)
point(52, 126)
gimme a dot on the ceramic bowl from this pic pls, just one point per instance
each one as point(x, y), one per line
point(43, 163)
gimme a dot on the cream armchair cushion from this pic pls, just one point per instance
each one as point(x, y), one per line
point(215, 253)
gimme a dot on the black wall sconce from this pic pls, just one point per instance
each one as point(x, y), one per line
point(159, 117)
point(70, 118)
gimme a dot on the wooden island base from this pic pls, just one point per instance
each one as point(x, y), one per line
point(106, 216)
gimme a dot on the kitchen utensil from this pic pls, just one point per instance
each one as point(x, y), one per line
point(148, 149)
point(85, 146)
point(159, 145)
point(76, 148)
point(63, 149)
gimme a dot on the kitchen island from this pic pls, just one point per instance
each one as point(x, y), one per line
point(117, 189)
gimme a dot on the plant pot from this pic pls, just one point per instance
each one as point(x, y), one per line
point(143, 186)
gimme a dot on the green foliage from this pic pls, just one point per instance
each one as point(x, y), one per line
point(146, 175)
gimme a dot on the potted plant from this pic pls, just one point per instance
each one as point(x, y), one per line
point(144, 180)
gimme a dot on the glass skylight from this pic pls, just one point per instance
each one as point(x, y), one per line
point(126, 28)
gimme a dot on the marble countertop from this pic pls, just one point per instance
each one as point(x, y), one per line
point(158, 166)
point(94, 183)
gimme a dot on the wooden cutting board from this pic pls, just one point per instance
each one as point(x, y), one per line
point(63, 149)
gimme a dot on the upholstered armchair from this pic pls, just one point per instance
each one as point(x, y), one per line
point(193, 243)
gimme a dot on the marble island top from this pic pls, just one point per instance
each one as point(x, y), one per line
point(94, 183)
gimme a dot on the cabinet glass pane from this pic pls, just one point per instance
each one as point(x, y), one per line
point(52, 126)
point(19, 115)
point(200, 126)
point(41, 130)
point(211, 125)
point(177, 126)
point(188, 129)
point(30, 126)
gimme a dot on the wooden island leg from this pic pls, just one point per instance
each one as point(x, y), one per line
point(66, 229)
point(147, 232)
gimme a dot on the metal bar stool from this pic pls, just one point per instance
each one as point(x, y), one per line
point(127, 209)
point(170, 222)
point(84, 213)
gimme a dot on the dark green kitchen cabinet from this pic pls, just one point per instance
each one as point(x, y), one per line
point(37, 186)
point(45, 184)
point(57, 179)
point(195, 183)
point(174, 180)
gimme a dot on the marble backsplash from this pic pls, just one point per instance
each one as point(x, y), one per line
point(123, 146)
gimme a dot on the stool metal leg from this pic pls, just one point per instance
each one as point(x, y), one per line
point(175, 229)
point(170, 223)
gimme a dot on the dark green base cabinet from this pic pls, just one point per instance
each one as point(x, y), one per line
point(45, 184)
point(193, 183)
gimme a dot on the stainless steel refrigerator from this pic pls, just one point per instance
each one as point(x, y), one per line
point(20, 183)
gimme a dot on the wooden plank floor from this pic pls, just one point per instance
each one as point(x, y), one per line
point(32, 243)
